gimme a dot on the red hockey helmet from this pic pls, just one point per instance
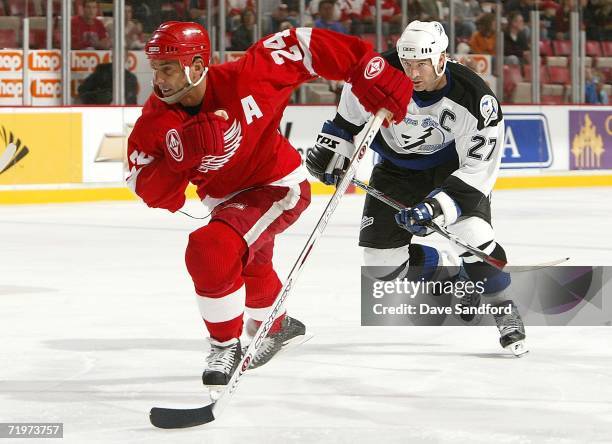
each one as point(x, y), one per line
point(180, 41)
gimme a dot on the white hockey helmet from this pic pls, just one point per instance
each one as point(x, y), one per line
point(423, 40)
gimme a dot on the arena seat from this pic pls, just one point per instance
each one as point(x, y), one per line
point(545, 48)
point(512, 76)
point(593, 48)
point(8, 38)
point(10, 28)
point(558, 75)
point(562, 47)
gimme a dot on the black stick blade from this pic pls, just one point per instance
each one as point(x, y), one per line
point(164, 418)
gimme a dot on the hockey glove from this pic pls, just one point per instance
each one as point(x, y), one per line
point(378, 85)
point(437, 207)
point(414, 219)
point(200, 136)
point(330, 157)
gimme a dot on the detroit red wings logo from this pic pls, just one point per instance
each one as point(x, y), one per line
point(374, 67)
point(174, 145)
point(231, 141)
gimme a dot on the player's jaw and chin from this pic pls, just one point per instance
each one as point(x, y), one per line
point(426, 79)
point(174, 80)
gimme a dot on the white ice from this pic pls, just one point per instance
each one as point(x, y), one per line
point(99, 323)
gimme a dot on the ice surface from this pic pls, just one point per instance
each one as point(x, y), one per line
point(99, 323)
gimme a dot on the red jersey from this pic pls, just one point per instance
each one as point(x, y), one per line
point(85, 35)
point(388, 9)
point(254, 92)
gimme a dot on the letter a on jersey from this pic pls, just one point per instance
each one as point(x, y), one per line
point(250, 108)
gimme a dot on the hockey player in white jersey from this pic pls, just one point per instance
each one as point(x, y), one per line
point(442, 159)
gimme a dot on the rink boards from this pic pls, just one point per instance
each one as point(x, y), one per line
point(78, 153)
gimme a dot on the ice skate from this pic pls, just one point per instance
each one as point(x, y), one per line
point(511, 329)
point(221, 362)
point(292, 333)
point(472, 302)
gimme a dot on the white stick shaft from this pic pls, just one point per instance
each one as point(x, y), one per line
point(372, 128)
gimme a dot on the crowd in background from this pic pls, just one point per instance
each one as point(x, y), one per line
point(475, 26)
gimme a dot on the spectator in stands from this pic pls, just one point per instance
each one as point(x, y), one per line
point(351, 15)
point(97, 88)
point(562, 19)
point(235, 7)
point(483, 40)
point(596, 16)
point(196, 11)
point(234, 12)
point(285, 25)
point(605, 15)
point(523, 6)
point(88, 32)
point(280, 15)
point(312, 9)
point(548, 16)
point(414, 10)
point(326, 17)
point(242, 37)
point(293, 7)
point(174, 10)
point(134, 35)
point(430, 10)
point(515, 39)
point(466, 14)
point(144, 13)
point(390, 12)
point(594, 91)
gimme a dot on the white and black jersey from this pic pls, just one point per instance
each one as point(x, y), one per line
point(463, 123)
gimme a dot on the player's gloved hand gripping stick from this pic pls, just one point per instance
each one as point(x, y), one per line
point(171, 418)
point(450, 236)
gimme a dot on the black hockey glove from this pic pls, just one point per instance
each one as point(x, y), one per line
point(329, 158)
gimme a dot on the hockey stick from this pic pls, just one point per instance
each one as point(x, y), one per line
point(7, 156)
point(171, 418)
point(499, 264)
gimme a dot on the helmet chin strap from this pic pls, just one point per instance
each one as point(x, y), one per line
point(177, 96)
point(435, 65)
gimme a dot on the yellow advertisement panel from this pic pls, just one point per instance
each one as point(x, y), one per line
point(49, 148)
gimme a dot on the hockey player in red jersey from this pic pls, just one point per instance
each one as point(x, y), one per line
point(217, 127)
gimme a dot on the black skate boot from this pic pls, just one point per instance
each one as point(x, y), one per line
point(292, 332)
point(470, 302)
point(221, 362)
point(511, 328)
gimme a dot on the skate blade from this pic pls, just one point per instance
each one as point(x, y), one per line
point(518, 348)
point(287, 345)
point(295, 341)
point(215, 388)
